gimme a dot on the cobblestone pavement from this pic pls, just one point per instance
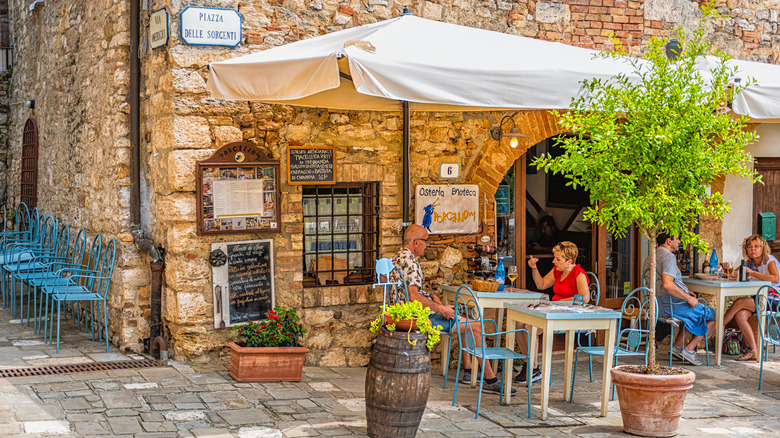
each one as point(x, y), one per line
point(203, 401)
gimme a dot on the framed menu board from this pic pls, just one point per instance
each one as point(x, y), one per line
point(238, 191)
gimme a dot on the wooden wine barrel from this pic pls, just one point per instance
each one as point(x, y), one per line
point(397, 384)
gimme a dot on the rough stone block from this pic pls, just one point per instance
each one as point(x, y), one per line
point(451, 257)
point(183, 238)
point(227, 134)
point(135, 277)
point(188, 81)
point(181, 168)
point(182, 273)
point(191, 132)
point(176, 207)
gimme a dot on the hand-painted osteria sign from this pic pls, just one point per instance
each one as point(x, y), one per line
point(447, 209)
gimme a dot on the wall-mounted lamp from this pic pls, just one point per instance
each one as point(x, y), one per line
point(673, 49)
point(513, 135)
point(30, 104)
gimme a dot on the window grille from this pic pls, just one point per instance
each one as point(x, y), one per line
point(340, 233)
point(6, 58)
point(29, 185)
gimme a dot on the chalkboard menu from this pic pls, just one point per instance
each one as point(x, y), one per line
point(311, 165)
point(244, 286)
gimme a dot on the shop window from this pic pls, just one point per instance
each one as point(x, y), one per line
point(340, 234)
point(29, 185)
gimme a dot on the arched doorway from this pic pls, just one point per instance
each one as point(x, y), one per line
point(29, 183)
point(505, 173)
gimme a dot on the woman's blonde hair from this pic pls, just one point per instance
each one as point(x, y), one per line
point(567, 250)
point(765, 250)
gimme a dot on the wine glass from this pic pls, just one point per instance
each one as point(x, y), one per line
point(512, 274)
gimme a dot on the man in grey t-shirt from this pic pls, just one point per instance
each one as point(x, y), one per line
point(674, 298)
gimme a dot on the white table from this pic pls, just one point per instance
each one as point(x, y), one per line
point(486, 300)
point(570, 321)
point(720, 289)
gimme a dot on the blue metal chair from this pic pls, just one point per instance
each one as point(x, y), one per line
point(21, 270)
point(630, 339)
point(768, 314)
point(91, 287)
point(468, 311)
point(44, 243)
point(383, 268)
point(61, 274)
point(72, 256)
point(21, 222)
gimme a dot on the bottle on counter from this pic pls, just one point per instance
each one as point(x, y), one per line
point(714, 263)
point(500, 274)
point(742, 276)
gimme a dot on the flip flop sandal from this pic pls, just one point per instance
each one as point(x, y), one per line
point(750, 355)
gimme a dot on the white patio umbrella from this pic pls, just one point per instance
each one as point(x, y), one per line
point(409, 63)
point(432, 65)
point(761, 100)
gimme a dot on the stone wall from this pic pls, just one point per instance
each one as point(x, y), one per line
point(5, 120)
point(72, 58)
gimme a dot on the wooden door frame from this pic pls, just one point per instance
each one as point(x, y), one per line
point(520, 207)
point(765, 163)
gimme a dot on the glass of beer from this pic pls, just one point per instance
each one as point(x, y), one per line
point(512, 274)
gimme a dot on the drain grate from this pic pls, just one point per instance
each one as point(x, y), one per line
point(78, 368)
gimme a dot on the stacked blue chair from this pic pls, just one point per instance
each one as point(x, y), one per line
point(22, 222)
point(62, 274)
point(467, 311)
point(26, 228)
point(91, 286)
point(44, 240)
point(39, 262)
point(631, 340)
point(768, 314)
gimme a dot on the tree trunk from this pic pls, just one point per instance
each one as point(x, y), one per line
point(651, 235)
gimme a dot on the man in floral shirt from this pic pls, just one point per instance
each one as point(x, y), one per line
point(415, 242)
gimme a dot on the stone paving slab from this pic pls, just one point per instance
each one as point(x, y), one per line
point(183, 400)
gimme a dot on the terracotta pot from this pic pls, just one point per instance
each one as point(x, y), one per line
point(266, 364)
point(651, 404)
point(402, 325)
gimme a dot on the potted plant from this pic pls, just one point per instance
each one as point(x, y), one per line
point(408, 316)
point(268, 349)
point(399, 374)
point(647, 151)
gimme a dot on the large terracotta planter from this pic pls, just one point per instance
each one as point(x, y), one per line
point(651, 404)
point(266, 364)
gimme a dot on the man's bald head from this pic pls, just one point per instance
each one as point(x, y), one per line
point(414, 232)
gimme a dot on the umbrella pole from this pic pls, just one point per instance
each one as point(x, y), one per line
point(406, 219)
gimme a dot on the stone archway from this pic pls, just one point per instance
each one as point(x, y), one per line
point(495, 158)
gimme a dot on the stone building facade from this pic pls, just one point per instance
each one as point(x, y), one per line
point(73, 58)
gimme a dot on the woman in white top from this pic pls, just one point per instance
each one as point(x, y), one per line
point(761, 265)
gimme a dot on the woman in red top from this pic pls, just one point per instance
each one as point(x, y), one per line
point(566, 279)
